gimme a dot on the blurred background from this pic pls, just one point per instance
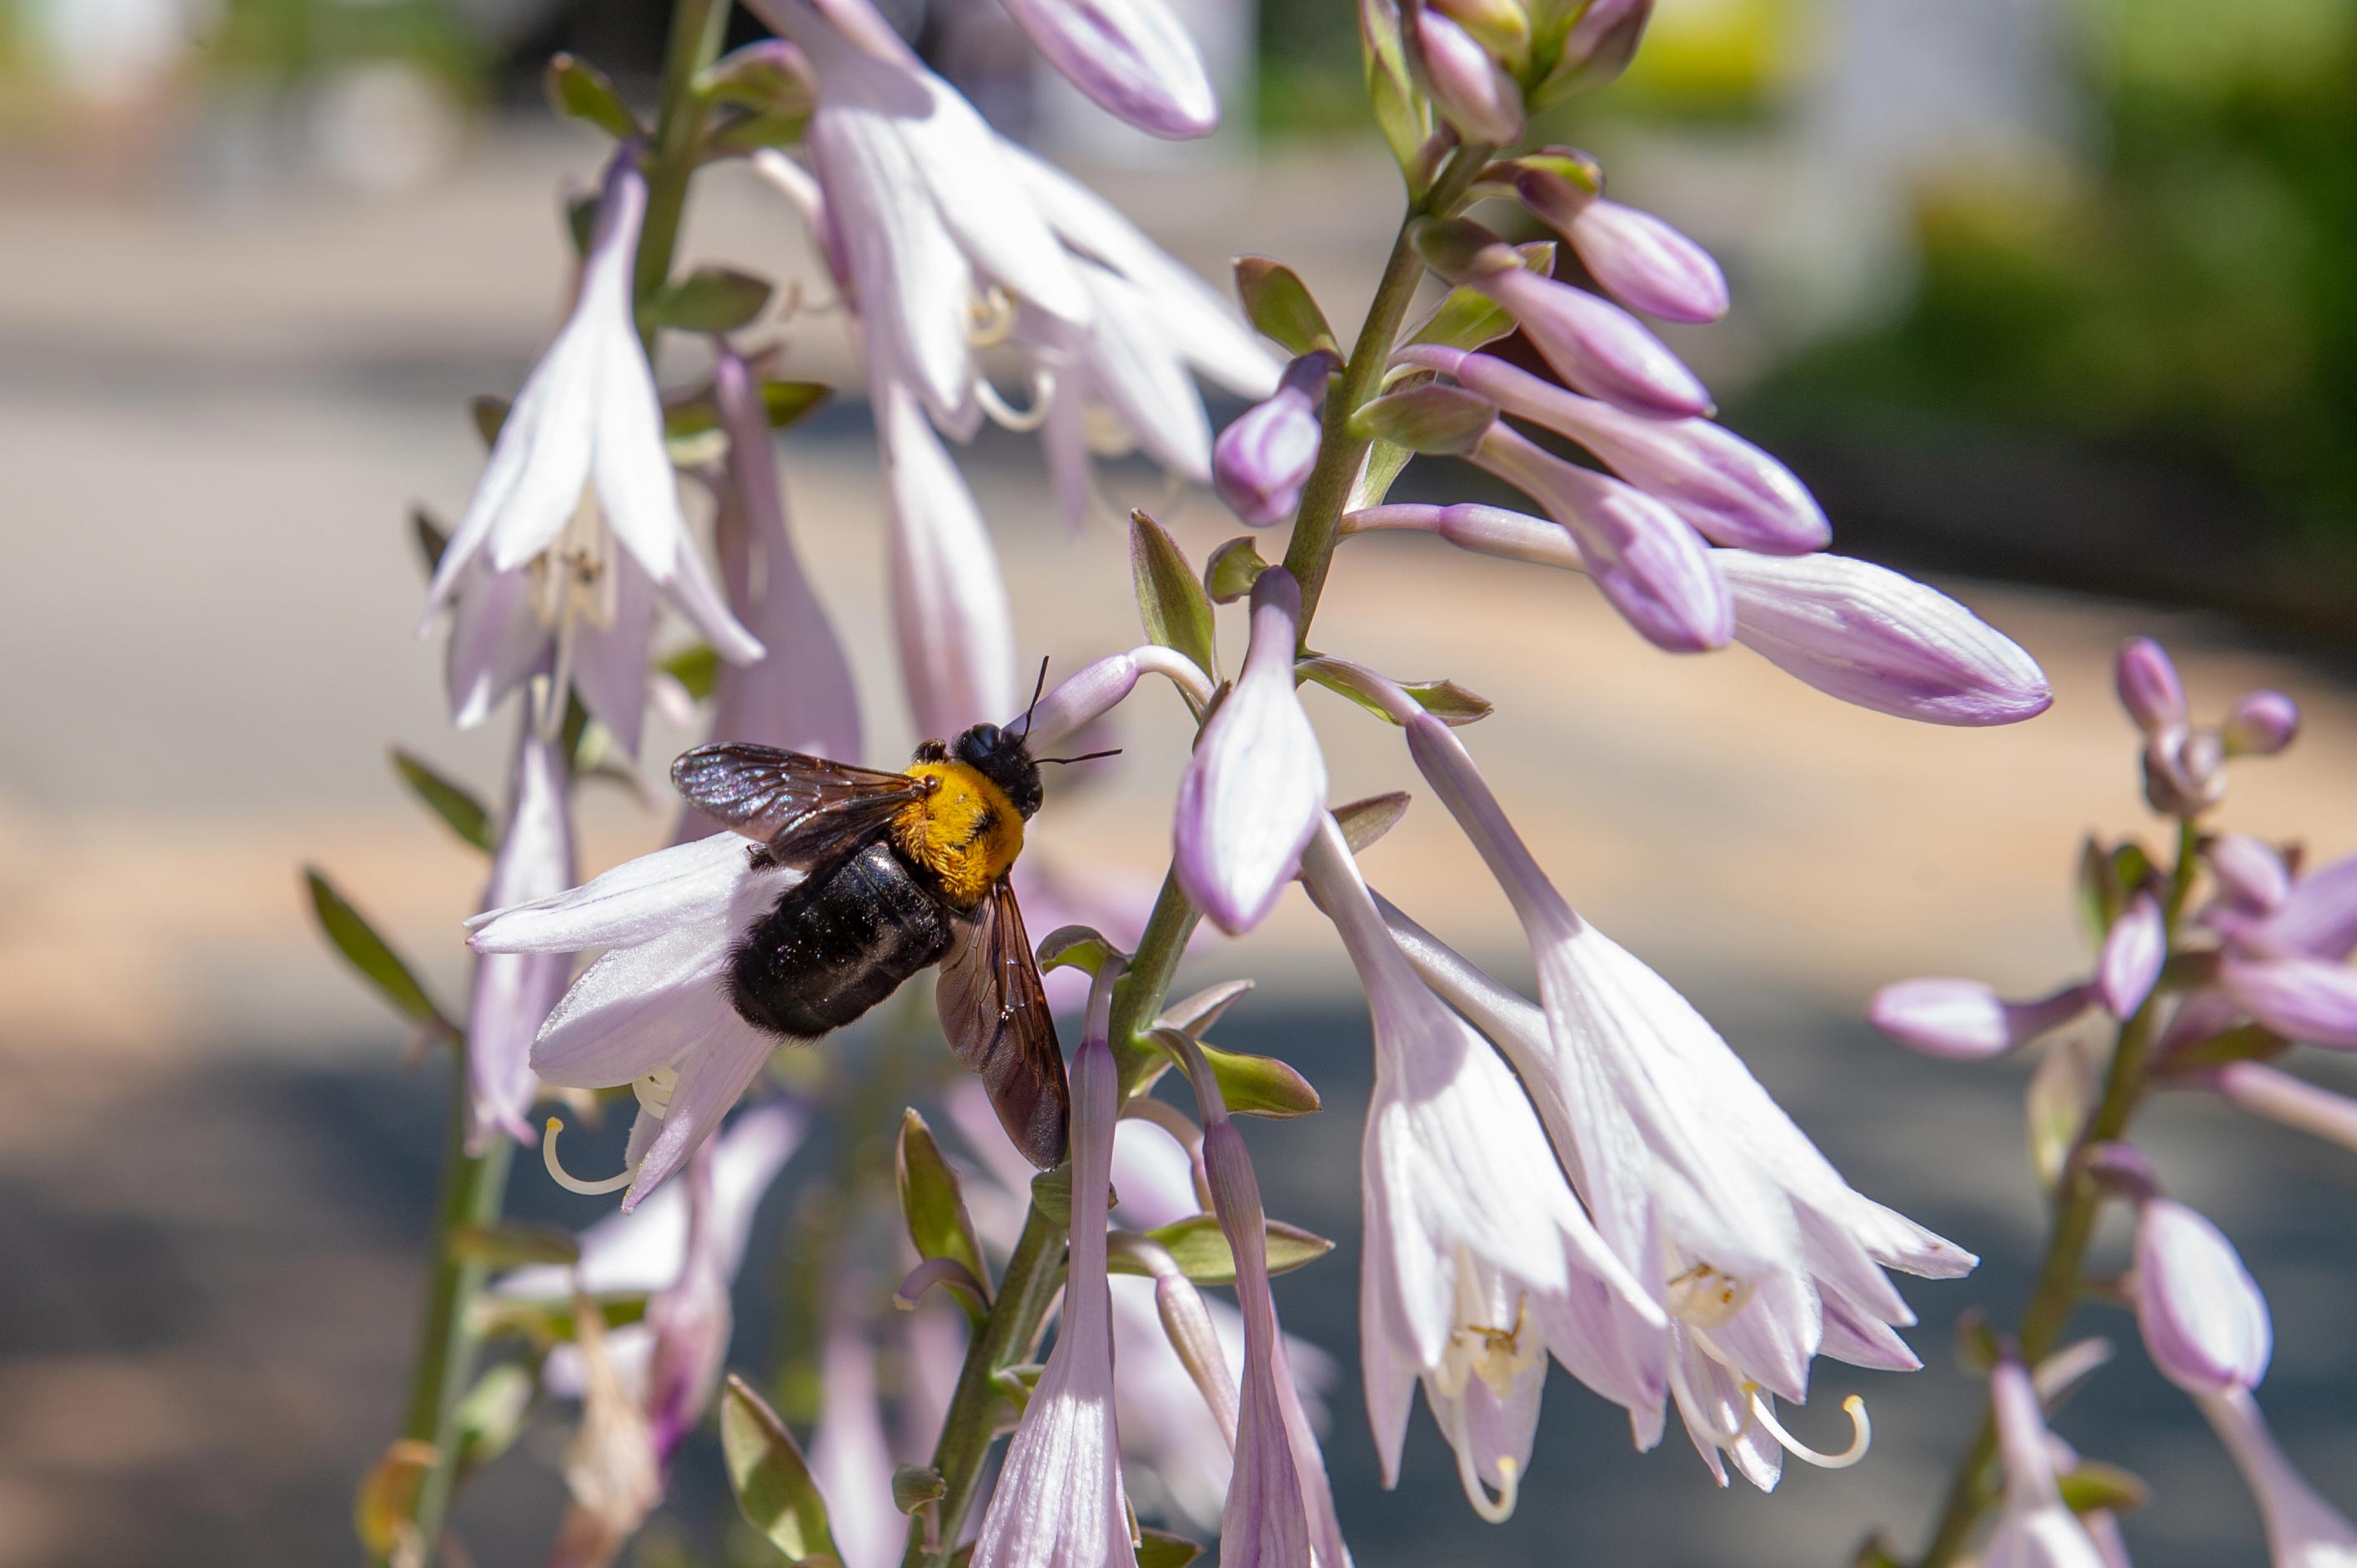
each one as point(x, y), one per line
point(2047, 299)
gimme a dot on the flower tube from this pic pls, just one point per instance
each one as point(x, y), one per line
point(2036, 1528)
point(1059, 1499)
point(949, 612)
point(514, 991)
point(1095, 689)
point(2303, 1529)
point(1965, 1020)
point(1255, 790)
point(2267, 1091)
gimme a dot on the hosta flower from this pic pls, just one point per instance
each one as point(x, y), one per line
point(949, 612)
point(1255, 790)
point(2277, 1095)
point(1853, 631)
point(2284, 946)
point(1467, 87)
point(2303, 1529)
point(653, 1012)
point(1059, 1499)
point(513, 991)
point(2251, 876)
point(1132, 58)
point(1764, 1256)
point(575, 523)
point(850, 1459)
point(1965, 1020)
point(1477, 1258)
point(2261, 723)
point(2133, 950)
point(1262, 461)
point(2036, 1528)
point(2205, 1324)
point(2148, 684)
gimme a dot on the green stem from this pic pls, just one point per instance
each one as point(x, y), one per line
point(2078, 1205)
point(697, 29)
point(1029, 1283)
point(1317, 522)
point(473, 1187)
point(1139, 995)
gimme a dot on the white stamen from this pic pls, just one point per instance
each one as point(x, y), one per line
point(654, 1090)
point(994, 318)
point(567, 1179)
point(1690, 1405)
point(1707, 1297)
point(1004, 414)
point(1861, 1432)
point(1497, 1510)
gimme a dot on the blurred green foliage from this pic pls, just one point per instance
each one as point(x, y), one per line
point(2187, 291)
point(282, 41)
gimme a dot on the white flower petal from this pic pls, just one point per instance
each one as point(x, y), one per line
point(635, 902)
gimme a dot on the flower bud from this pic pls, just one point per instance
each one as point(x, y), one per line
point(1256, 788)
point(2149, 687)
point(2302, 998)
point(1265, 456)
point(1472, 90)
point(2250, 875)
point(1597, 347)
point(1964, 1020)
point(2184, 770)
point(2261, 725)
point(1646, 265)
point(2133, 950)
point(1132, 59)
point(1599, 49)
point(1503, 26)
point(2205, 1323)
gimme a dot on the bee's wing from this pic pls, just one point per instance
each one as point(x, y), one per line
point(801, 806)
point(994, 1015)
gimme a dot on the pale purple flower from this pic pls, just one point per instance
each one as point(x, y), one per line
point(1637, 257)
point(1478, 1257)
point(2147, 680)
point(1965, 1020)
point(534, 560)
point(2278, 1096)
point(2302, 998)
point(2260, 723)
point(1644, 558)
point(2251, 876)
point(2317, 918)
point(2303, 1529)
point(850, 1459)
point(1763, 1254)
point(2036, 1528)
point(683, 1247)
point(1132, 58)
point(2133, 950)
point(1601, 45)
point(1853, 631)
point(1469, 88)
point(1594, 345)
point(2205, 1324)
point(1058, 1501)
point(1264, 458)
point(1266, 1524)
point(1095, 689)
point(513, 991)
point(950, 611)
point(799, 696)
point(2184, 769)
point(1255, 790)
point(653, 1011)
point(1729, 490)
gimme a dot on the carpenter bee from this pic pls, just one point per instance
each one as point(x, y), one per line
point(901, 871)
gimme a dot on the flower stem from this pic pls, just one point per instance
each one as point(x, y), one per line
point(2078, 1205)
point(697, 30)
point(1317, 522)
point(1033, 1273)
point(473, 1187)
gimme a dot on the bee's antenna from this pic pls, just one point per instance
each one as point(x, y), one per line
point(1084, 757)
point(1042, 687)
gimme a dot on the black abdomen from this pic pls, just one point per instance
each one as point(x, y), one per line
point(836, 945)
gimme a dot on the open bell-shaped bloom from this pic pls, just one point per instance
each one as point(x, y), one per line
point(1477, 1258)
point(1132, 58)
point(1058, 1500)
point(2303, 1529)
point(799, 696)
point(514, 991)
point(2036, 1527)
point(1265, 457)
point(1727, 490)
point(1255, 790)
point(1645, 557)
point(1699, 1181)
point(2205, 1324)
point(1965, 1020)
point(653, 1011)
point(575, 523)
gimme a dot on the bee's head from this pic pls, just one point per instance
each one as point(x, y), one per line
point(1001, 756)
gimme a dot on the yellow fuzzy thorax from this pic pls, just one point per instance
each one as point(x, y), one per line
point(965, 832)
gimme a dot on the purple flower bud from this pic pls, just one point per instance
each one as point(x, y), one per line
point(1599, 48)
point(2271, 1092)
point(2301, 999)
point(2261, 723)
point(1731, 491)
point(2205, 1324)
point(1132, 58)
point(2149, 687)
point(1265, 456)
point(1866, 635)
point(2133, 950)
point(1646, 560)
point(1467, 86)
point(1095, 689)
point(2250, 873)
point(1646, 265)
point(1254, 791)
point(1964, 1020)
point(2184, 770)
point(1597, 347)
point(2320, 917)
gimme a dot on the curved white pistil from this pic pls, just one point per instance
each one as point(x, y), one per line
point(654, 1093)
point(1498, 1357)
